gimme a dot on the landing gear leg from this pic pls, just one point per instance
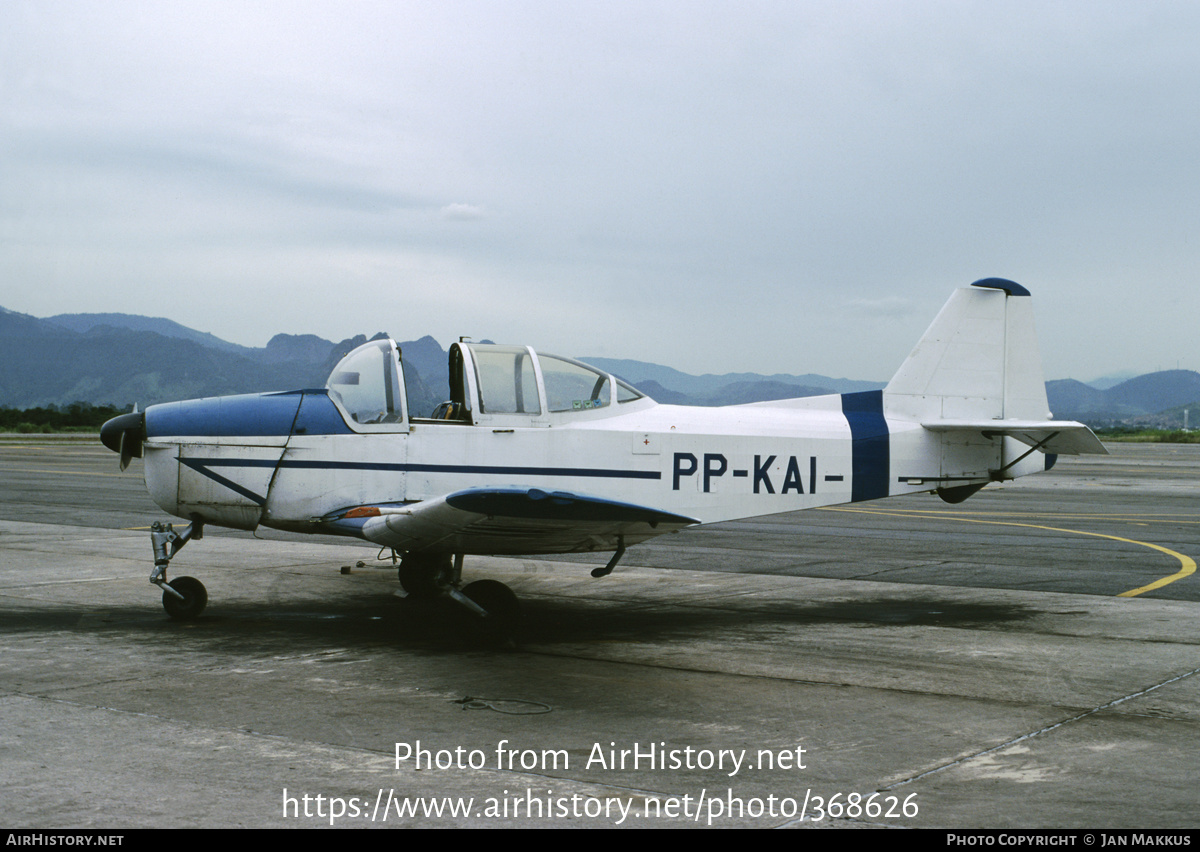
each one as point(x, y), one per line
point(184, 598)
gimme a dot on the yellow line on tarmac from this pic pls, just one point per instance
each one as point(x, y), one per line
point(1162, 517)
point(1188, 564)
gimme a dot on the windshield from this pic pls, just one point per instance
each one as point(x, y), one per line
point(366, 385)
point(572, 386)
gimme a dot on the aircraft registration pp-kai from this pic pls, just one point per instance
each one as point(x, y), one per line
point(534, 453)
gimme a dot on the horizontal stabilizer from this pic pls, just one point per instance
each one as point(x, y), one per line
point(1061, 437)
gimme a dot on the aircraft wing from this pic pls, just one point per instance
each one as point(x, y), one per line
point(510, 520)
point(1064, 437)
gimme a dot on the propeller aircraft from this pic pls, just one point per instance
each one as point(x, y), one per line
point(537, 454)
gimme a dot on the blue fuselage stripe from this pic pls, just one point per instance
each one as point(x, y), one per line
point(869, 444)
point(505, 470)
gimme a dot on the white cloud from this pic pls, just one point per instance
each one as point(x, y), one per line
point(892, 306)
point(463, 212)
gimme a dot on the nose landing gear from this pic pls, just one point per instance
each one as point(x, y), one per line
point(184, 598)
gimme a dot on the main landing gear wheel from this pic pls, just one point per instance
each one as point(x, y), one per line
point(195, 598)
point(424, 578)
point(490, 609)
point(502, 623)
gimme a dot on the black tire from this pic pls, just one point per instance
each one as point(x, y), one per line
point(420, 579)
point(503, 621)
point(195, 598)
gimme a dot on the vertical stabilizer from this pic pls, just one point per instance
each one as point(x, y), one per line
point(979, 360)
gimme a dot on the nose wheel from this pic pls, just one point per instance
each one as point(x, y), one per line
point(184, 598)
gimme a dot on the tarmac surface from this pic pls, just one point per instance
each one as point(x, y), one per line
point(1027, 659)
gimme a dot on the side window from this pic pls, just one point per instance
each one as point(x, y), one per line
point(507, 383)
point(627, 393)
point(572, 386)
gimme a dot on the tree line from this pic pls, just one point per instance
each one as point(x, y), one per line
point(76, 417)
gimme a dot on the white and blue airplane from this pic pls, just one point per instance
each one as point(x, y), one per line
point(535, 454)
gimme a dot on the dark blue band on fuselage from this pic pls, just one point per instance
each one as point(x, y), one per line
point(319, 416)
point(244, 416)
point(257, 415)
point(870, 448)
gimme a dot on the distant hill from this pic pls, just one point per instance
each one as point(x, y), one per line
point(734, 393)
point(306, 348)
point(709, 386)
point(125, 359)
point(118, 359)
point(1155, 399)
point(658, 393)
point(1106, 382)
point(83, 323)
point(47, 363)
point(1158, 391)
point(1068, 398)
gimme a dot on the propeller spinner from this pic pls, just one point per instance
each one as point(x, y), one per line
point(124, 434)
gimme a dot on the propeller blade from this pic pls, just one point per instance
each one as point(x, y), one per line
point(126, 450)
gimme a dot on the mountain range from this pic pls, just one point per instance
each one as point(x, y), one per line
point(120, 359)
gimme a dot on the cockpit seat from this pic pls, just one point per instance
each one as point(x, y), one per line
point(449, 411)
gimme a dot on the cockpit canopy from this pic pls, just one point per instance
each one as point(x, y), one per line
point(489, 383)
point(517, 380)
point(367, 385)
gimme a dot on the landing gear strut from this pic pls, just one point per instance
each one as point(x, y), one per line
point(184, 598)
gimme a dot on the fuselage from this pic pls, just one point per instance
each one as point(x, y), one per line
point(293, 460)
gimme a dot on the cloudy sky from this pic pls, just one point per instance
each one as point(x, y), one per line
point(768, 186)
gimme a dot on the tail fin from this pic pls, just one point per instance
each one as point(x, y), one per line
point(977, 369)
point(979, 360)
